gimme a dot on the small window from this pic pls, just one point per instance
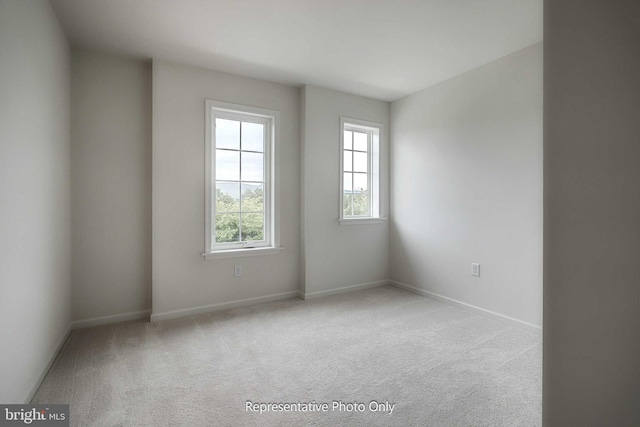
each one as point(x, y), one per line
point(240, 195)
point(359, 171)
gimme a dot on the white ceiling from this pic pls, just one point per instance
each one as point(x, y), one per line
point(383, 49)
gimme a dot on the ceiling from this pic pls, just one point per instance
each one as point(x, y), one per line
point(383, 49)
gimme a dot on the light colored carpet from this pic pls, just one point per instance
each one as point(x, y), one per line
point(439, 365)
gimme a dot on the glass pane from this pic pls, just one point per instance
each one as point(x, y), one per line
point(252, 226)
point(252, 136)
point(227, 196)
point(252, 167)
point(347, 139)
point(227, 134)
point(348, 160)
point(360, 141)
point(227, 165)
point(360, 204)
point(227, 228)
point(360, 163)
point(252, 197)
point(347, 185)
point(360, 182)
point(347, 202)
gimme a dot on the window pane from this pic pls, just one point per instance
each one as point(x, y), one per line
point(347, 139)
point(227, 134)
point(360, 141)
point(227, 196)
point(360, 204)
point(252, 167)
point(347, 185)
point(360, 163)
point(227, 228)
point(360, 182)
point(252, 226)
point(252, 136)
point(348, 159)
point(252, 197)
point(227, 165)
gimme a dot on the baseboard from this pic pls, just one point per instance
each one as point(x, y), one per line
point(36, 385)
point(511, 320)
point(223, 306)
point(115, 318)
point(344, 289)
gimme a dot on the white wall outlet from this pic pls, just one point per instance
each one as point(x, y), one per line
point(475, 269)
point(237, 270)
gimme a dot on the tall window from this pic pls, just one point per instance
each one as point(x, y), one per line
point(240, 197)
point(360, 170)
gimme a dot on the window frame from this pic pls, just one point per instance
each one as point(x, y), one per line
point(270, 118)
point(374, 134)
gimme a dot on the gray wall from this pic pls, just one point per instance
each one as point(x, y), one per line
point(111, 185)
point(466, 186)
point(592, 213)
point(34, 194)
point(182, 278)
point(338, 256)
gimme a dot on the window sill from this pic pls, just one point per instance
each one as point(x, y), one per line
point(361, 221)
point(241, 253)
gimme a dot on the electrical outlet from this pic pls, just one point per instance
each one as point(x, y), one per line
point(475, 269)
point(237, 270)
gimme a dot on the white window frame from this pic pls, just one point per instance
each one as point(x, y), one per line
point(271, 119)
point(374, 134)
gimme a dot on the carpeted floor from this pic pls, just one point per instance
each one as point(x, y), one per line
point(439, 366)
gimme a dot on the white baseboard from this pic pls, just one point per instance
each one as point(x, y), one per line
point(36, 385)
point(115, 318)
point(223, 305)
point(344, 289)
point(511, 320)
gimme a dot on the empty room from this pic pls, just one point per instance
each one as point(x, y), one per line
point(304, 212)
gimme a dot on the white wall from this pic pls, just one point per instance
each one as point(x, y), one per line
point(592, 213)
point(337, 256)
point(111, 185)
point(466, 185)
point(182, 279)
point(34, 194)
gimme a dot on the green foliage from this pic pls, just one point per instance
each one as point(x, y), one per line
point(253, 200)
point(359, 202)
point(252, 226)
point(228, 225)
point(225, 202)
point(227, 228)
